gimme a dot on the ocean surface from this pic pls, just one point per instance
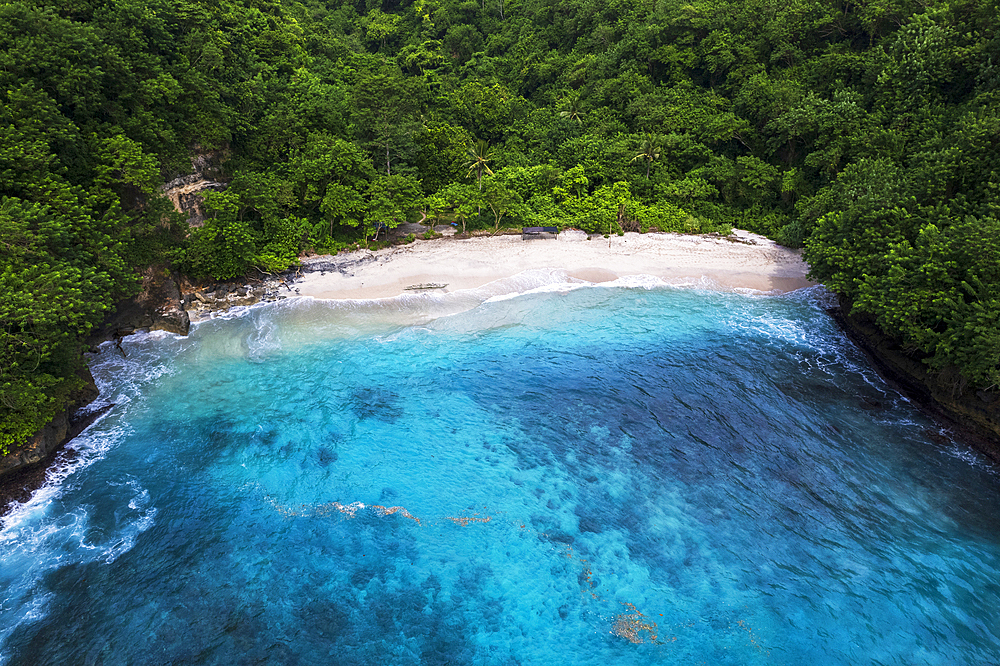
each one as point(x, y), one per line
point(617, 474)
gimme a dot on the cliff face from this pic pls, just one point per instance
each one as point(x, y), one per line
point(48, 440)
point(976, 413)
point(185, 192)
point(158, 307)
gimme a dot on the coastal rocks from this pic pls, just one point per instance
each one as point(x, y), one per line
point(203, 301)
point(38, 447)
point(975, 412)
point(220, 298)
point(339, 263)
point(158, 306)
point(24, 459)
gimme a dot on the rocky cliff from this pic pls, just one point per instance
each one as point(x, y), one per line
point(23, 469)
point(186, 191)
point(975, 413)
point(157, 307)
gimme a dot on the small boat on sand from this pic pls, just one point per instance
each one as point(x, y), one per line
point(426, 285)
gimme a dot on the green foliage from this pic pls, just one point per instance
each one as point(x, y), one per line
point(499, 200)
point(459, 199)
point(390, 200)
point(478, 156)
point(442, 154)
point(47, 301)
point(226, 245)
point(867, 132)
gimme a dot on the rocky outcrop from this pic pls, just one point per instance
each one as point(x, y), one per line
point(186, 195)
point(23, 469)
point(203, 301)
point(186, 191)
point(973, 412)
point(157, 307)
point(337, 263)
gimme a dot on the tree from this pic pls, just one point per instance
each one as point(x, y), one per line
point(442, 154)
point(386, 115)
point(226, 246)
point(649, 150)
point(328, 178)
point(573, 110)
point(458, 198)
point(379, 26)
point(390, 200)
point(499, 199)
point(479, 155)
point(46, 304)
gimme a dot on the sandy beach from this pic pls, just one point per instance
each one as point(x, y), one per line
point(741, 261)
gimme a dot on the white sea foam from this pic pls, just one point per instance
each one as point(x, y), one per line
point(421, 308)
point(263, 340)
point(144, 517)
point(39, 535)
point(968, 455)
point(641, 282)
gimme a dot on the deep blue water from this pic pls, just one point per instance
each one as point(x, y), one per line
point(591, 476)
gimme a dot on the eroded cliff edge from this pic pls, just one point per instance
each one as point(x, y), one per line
point(163, 303)
point(157, 306)
point(972, 413)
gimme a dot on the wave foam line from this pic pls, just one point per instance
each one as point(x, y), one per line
point(35, 540)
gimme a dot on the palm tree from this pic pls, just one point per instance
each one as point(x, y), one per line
point(649, 151)
point(573, 110)
point(479, 154)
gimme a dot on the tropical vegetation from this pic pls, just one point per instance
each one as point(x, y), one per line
point(867, 131)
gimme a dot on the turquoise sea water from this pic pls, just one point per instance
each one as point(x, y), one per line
point(577, 475)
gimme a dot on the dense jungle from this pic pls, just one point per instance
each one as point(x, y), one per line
point(866, 132)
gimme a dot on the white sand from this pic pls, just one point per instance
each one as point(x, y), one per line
point(753, 262)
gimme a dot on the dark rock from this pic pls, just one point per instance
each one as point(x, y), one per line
point(22, 471)
point(173, 320)
point(158, 306)
point(559, 536)
point(340, 263)
point(945, 396)
point(186, 191)
point(38, 447)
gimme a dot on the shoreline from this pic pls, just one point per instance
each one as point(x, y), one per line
point(743, 261)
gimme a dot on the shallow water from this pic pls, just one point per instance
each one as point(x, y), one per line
point(601, 475)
